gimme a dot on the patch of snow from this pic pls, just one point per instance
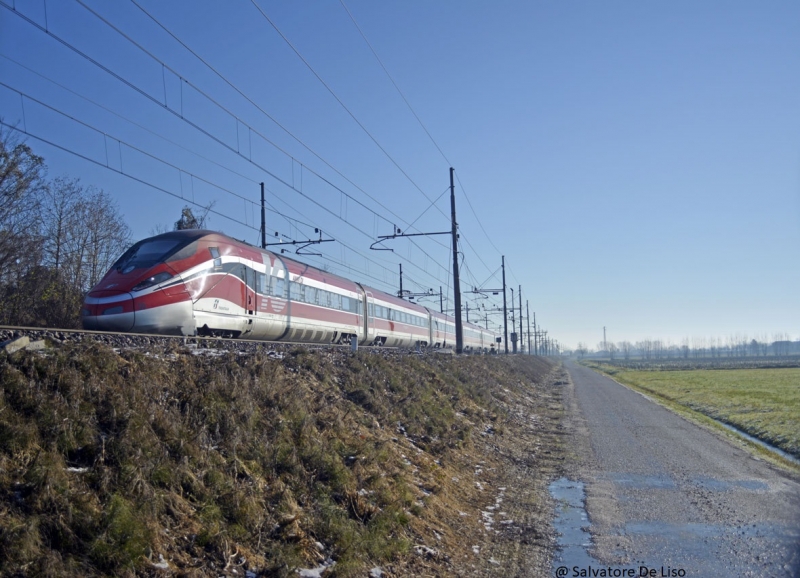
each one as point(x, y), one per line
point(162, 564)
point(316, 572)
point(376, 572)
point(78, 470)
point(424, 550)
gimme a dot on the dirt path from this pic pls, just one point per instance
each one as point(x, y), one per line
point(665, 493)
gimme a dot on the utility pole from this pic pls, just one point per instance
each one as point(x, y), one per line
point(263, 220)
point(400, 294)
point(505, 313)
point(528, 318)
point(467, 306)
point(456, 283)
point(535, 335)
point(513, 323)
point(521, 343)
point(441, 302)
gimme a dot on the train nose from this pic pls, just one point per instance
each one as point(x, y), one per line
point(108, 311)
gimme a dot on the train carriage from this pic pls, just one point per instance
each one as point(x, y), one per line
point(395, 322)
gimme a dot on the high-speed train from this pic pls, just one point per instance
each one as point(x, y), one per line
point(196, 282)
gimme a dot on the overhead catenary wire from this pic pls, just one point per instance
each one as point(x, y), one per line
point(122, 172)
point(134, 123)
point(400, 92)
point(142, 181)
point(422, 125)
point(260, 109)
point(343, 105)
point(221, 142)
point(209, 134)
point(264, 112)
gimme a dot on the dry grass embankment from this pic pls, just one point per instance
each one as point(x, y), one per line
point(168, 463)
point(764, 403)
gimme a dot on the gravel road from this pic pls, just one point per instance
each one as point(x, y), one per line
point(666, 494)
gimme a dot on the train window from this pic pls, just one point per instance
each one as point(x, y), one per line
point(146, 254)
point(238, 270)
point(371, 310)
point(346, 304)
point(336, 301)
point(278, 287)
point(214, 252)
point(250, 274)
point(294, 291)
point(263, 285)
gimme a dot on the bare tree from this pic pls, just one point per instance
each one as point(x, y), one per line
point(60, 218)
point(21, 184)
point(83, 232)
point(107, 236)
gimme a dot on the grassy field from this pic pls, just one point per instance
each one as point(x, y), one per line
point(764, 403)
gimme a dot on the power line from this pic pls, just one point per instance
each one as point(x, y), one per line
point(126, 119)
point(339, 100)
point(91, 160)
point(122, 172)
point(241, 93)
point(207, 133)
point(413, 112)
point(400, 92)
point(256, 105)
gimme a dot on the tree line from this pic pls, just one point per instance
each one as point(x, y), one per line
point(57, 239)
point(734, 346)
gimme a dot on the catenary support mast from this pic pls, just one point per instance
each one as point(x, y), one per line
point(456, 284)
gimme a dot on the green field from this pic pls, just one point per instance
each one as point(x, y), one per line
point(764, 403)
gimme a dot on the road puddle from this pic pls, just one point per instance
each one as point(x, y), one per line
point(572, 524)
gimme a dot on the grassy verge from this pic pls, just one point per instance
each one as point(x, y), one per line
point(141, 463)
point(764, 403)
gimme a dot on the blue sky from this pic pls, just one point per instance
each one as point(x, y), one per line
point(638, 163)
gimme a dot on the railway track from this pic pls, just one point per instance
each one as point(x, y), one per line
point(56, 337)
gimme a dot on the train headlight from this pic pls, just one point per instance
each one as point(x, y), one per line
point(150, 281)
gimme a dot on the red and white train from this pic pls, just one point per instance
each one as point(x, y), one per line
point(197, 282)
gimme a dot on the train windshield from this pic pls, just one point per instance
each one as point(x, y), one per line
point(147, 253)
